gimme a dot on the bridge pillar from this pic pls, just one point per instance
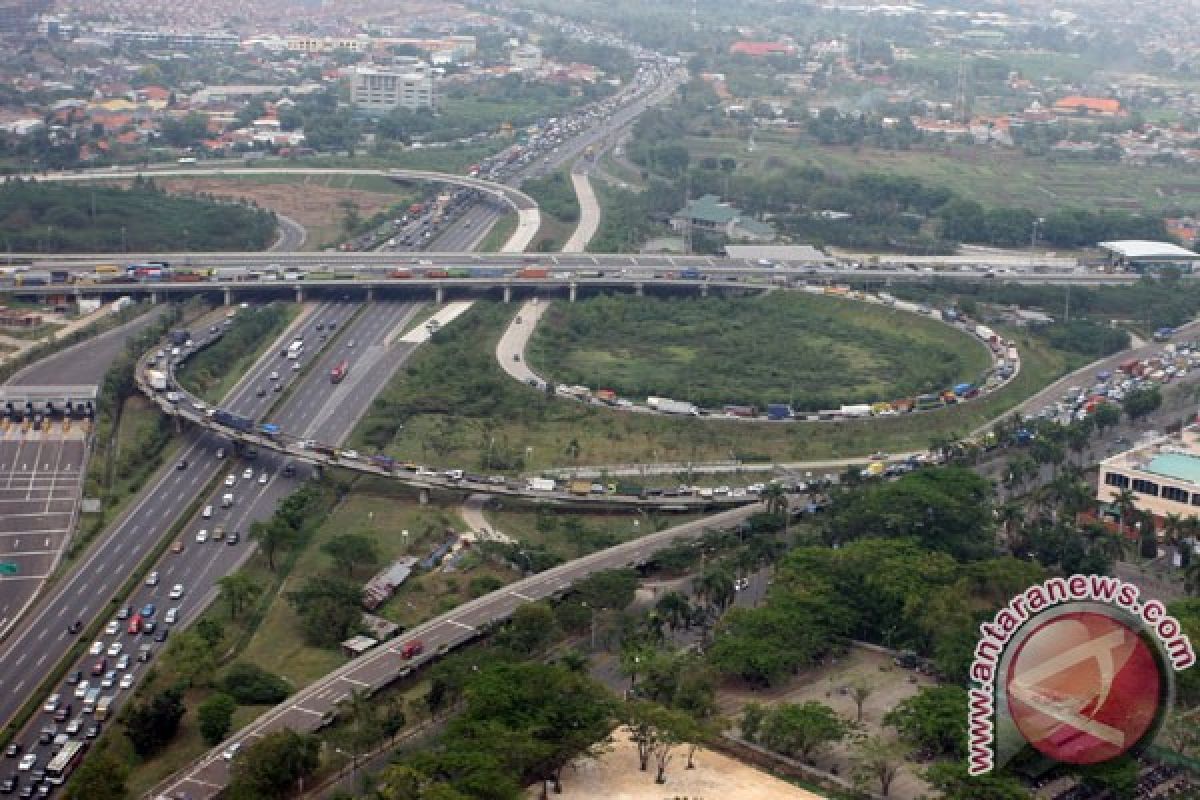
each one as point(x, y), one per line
point(228, 296)
point(639, 289)
point(704, 290)
point(299, 294)
point(423, 496)
point(439, 295)
point(153, 298)
point(370, 294)
point(573, 291)
point(508, 294)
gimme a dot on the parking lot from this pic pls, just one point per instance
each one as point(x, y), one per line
point(40, 474)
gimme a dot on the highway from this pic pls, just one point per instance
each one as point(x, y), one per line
point(313, 706)
point(84, 363)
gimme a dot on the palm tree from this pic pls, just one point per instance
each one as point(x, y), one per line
point(238, 589)
point(1126, 503)
point(775, 498)
point(716, 586)
point(1174, 528)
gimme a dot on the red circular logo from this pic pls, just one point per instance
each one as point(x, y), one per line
point(1083, 688)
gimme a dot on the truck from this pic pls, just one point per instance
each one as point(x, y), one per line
point(532, 272)
point(855, 410)
point(669, 406)
point(238, 423)
point(579, 487)
point(962, 389)
point(928, 402)
point(540, 485)
point(157, 380)
point(269, 429)
point(385, 463)
point(740, 411)
point(1160, 335)
point(689, 274)
point(179, 337)
point(338, 373)
point(325, 450)
point(412, 649)
point(779, 411)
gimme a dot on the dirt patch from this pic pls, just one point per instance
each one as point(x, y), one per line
point(889, 686)
point(615, 776)
point(309, 200)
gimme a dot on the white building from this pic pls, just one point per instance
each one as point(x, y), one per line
point(526, 58)
point(378, 90)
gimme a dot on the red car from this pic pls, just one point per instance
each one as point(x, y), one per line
point(413, 648)
point(135, 624)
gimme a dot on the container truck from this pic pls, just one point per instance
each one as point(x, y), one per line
point(856, 410)
point(532, 272)
point(338, 373)
point(157, 380)
point(540, 485)
point(238, 423)
point(740, 411)
point(778, 411)
point(668, 406)
point(580, 487)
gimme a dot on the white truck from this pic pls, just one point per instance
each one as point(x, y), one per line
point(541, 485)
point(157, 380)
point(666, 405)
point(858, 410)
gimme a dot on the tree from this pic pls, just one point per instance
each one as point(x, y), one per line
point(151, 725)
point(952, 780)
point(860, 690)
point(775, 498)
point(329, 609)
point(238, 589)
point(271, 536)
point(675, 609)
point(273, 766)
point(250, 685)
point(933, 719)
point(879, 761)
point(798, 731)
point(1140, 402)
point(613, 589)
point(193, 658)
point(100, 777)
point(531, 627)
point(753, 716)
point(216, 715)
point(717, 587)
point(351, 550)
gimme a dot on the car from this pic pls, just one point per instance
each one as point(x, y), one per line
point(202, 535)
point(27, 762)
point(231, 751)
point(63, 713)
point(9, 784)
point(274, 376)
point(125, 613)
point(412, 649)
point(171, 616)
point(295, 366)
point(26, 791)
point(263, 478)
point(96, 649)
point(234, 538)
point(135, 625)
point(145, 654)
point(114, 649)
point(152, 579)
point(94, 730)
point(161, 636)
point(182, 464)
point(148, 627)
point(123, 661)
point(100, 667)
point(230, 479)
point(75, 627)
point(81, 688)
point(13, 750)
point(126, 681)
point(248, 474)
point(109, 679)
point(289, 470)
point(260, 393)
point(176, 591)
point(74, 726)
point(218, 533)
point(75, 677)
point(47, 734)
point(220, 452)
point(148, 611)
point(350, 343)
point(278, 388)
point(177, 546)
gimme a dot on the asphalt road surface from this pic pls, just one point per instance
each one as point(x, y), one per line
point(511, 347)
point(292, 235)
point(83, 364)
point(307, 710)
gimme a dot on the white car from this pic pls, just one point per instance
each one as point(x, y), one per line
point(126, 681)
point(176, 591)
point(27, 762)
point(230, 479)
point(96, 649)
point(171, 615)
point(231, 751)
point(114, 650)
point(109, 679)
point(81, 688)
point(295, 366)
point(247, 474)
point(152, 579)
point(350, 454)
point(273, 376)
point(263, 478)
point(112, 628)
point(123, 661)
point(207, 512)
point(202, 535)
point(51, 704)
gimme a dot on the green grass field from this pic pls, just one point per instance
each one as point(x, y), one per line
point(813, 352)
point(500, 233)
point(992, 177)
point(455, 404)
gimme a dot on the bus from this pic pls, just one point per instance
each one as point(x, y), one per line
point(60, 767)
point(102, 707)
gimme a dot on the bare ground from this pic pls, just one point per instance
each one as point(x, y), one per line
point(309, 200)
point(615, 776)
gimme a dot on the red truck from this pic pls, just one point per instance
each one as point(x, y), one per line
point(400, 274)
point(339, 372)
point(533, 272)
point(412, 649)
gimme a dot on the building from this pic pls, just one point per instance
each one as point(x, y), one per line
point(709, 214)
point(1088, 106)
point(175, 40)
point(1163, 475)
point(328, 44)
point(379, 90)
point(526, 58)
point(1138, 255)
point(761, 49)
